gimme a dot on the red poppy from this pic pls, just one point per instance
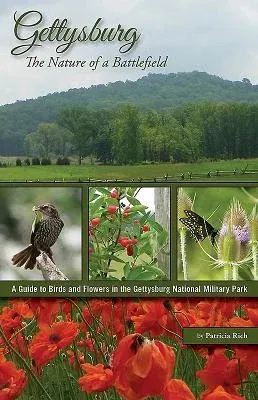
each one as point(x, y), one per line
point(12, 381)
point(49, 340)
point(221, 371)
point(12, 317)
point(142, 367)
point(219, 393)
point(177, 389)
point(45, 309)
point(152, 318)
point(97, 379)
point(247, 356)
point(253, 315)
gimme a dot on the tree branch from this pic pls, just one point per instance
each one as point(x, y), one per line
point(49, 270)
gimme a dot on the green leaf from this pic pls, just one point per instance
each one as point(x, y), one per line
point(96, 207)
point(115, 258)
point(139, 208)
point(134, 273)
point(127, 269)
point(146, 249)
point(146, 276)
point(145, 218)
point(133, 200)
point(155, 225)
point(155, 270)
point(162, 238)
point(103, 190)
point(246, 274)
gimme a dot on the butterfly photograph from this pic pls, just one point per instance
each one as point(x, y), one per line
point(215, 232)
point(198, 227)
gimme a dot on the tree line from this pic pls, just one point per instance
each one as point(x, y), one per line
point(154, 91)
point(130, 135)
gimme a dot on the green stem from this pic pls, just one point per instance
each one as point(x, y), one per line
point(90, 329)
point(226, 272)
point(235, 272)
point(117, 238)
point(255, 260)
point(183, 253)
point(26, 365)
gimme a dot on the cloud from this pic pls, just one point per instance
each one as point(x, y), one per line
point(219, 37)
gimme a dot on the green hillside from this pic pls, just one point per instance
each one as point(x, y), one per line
point(155, 91)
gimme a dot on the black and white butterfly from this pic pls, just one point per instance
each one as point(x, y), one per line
point(198, 227)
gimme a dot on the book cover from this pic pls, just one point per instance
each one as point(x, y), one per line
point(128, 196)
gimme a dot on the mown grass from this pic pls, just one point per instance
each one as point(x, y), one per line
point(126, 172)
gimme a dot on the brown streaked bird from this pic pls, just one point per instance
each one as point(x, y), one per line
point(46, 228)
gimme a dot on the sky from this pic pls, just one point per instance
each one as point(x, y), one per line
point(215, 36)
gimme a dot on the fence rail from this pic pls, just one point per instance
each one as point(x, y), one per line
point(184, 176)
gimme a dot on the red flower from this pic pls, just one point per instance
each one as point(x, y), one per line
point(220, 371)
point(97, 379)
point(142, 367)
point(219, 393)
point(12, 381)
point(12, 317)
point(45, 309)
point(152, 318)
point(177, 389)
point(49, 340)
point(248, 357)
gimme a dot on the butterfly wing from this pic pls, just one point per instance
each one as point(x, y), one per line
point(197, 226)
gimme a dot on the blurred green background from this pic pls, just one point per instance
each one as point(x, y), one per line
point(16, 218)
point(208, 201)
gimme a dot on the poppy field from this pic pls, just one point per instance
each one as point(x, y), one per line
point(124, 349)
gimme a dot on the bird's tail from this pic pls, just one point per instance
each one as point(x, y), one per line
point(26, 257)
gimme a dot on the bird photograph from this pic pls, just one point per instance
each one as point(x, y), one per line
point(40, 220)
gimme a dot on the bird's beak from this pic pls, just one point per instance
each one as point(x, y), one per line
point(35, 208)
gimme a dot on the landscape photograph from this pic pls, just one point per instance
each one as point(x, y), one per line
point(145, 105)
point(180, 126)
point(180, 109)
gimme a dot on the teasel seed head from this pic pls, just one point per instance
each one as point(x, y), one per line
point(234, 236)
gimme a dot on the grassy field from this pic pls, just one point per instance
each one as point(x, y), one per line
point(126, 172)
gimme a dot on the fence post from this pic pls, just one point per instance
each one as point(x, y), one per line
point(162, 216)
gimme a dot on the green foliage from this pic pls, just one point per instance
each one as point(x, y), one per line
point(48, 139)
point(18, 162)
point(123, 239)
point(126, 135)
point(45, 161)
point(35, 161)
point(63, 161)
point(155, 91)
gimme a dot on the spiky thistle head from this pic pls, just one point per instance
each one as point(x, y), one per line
point(234, 235)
